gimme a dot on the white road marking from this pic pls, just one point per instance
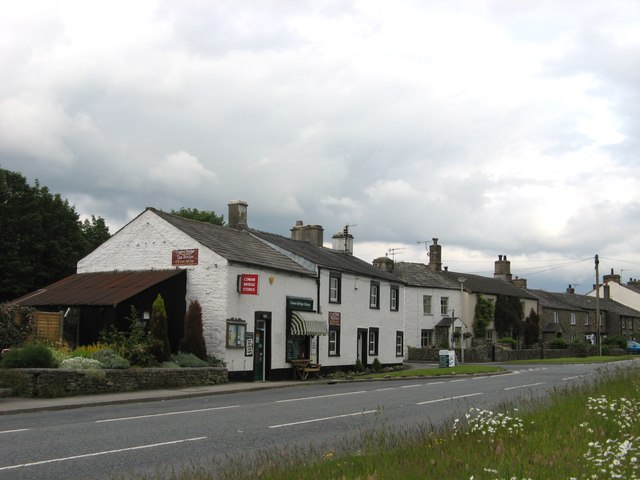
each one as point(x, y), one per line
point(96, 454)
point(323, 419)
point(457, 381)
point(478, 378)
point(16, 431)
point(410, 386)
point(384, 389)
point(450, 398)
point(525, 386)
point(182, 412)
point(320, 396)
point(577, 376)
point(434, 383)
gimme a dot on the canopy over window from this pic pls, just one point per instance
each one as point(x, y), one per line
point(305, 326)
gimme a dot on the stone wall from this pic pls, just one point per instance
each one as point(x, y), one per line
point(57, 382)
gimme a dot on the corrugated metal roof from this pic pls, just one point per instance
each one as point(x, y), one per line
point(99, 288)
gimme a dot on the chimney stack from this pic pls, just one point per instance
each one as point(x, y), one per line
point(238, 214)
point(502, 268)
point(384, 263)
point(343, 241)
point(519, 282)
point(314, 234)
point(435, 257)
point(611, 278)
point(571, 290)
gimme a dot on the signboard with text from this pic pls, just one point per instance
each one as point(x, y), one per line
point(334, 319)
point(188, 256)
point(248, 284)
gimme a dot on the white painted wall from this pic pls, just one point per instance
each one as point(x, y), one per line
point(620, 294)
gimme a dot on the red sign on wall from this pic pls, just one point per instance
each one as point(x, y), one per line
point(248, 284)
point(187, 256)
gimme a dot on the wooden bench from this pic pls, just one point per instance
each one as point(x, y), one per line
point(303, 367)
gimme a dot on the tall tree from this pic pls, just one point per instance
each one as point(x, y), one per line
point(41, 239)
point(482, 316)
point(159, 330)
point(95, 232)
point(208, 216)
point(193, 339)
point(508, 316)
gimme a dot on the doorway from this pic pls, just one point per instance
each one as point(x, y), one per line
point(362, 346)
point(262, 347)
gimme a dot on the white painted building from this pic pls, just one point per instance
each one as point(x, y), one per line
point(267, 299)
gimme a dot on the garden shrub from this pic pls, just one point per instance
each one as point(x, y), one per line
point(557, 343)
point(358, 367)
point(214, 361)
point(170, 365)
point(376, 365)
point(80, 363)
point(86, 351)
point(578, 348)
point(615, 341)
point(509, 341)
point(135, 345)
point(188, 360)
point(193, 339)
point(31, 355)
point(159, 330)
point(110, 359)
point(16, 325)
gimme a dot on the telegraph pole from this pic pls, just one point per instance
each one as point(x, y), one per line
point(598, 323)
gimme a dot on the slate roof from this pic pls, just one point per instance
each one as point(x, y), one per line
point(97, 288)
point(419, 275)
point(326, 257)
point(237, 246)
point(487, 285)
point(573, 301)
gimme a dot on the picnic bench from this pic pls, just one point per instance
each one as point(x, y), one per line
point(303, 367)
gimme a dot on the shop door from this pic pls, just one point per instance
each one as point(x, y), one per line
point(259, 350)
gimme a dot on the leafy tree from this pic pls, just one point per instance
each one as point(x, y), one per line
point(16, 325)
point(95, 232)
point(208, 216)
point(532, 328)
point(508, 316)
point(159, 330)
point(41, 236)
point(193, 339)
point(482, 317)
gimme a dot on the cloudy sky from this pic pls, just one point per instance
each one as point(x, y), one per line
point(499, 127)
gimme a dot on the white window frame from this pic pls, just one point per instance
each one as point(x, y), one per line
point(573, 318)
point(444, 305)
point(427, 305)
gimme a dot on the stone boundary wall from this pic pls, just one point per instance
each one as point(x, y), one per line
point(500, 353)
point(58, 382)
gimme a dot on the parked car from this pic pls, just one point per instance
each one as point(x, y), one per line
point(633, 347)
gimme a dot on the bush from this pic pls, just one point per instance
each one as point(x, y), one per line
point(16, 325)
point(80, 363)
point(509, 341)
point(214, 361)
point(188, 360)
point(86, 351)
point(159, 330)
point(110, 359)
point(557, 343)
point(615, 341)
point(193, 339)
point(358, 367)
point(31, 355)
point(376, 365)
point(578, 348)
point(135, 346)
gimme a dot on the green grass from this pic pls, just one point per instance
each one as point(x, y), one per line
point(594, 359)
point(435, 372)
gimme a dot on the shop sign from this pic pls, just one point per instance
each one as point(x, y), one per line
point(188, 256)
point(296, 303)
point(248, 344)
point(248, 284)
point(334, 319)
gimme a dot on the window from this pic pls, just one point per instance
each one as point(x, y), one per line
point(426, 338)
point(399, 344)
point(334, 340)
point(426, 305)
point(444, 305)
point(586, 319)
point(373, 341)
point(555, 317)
point(335, 281)
point(624, 325)
point(374, 295)
point(573, 318)
point(394, 297)
point(236, 332)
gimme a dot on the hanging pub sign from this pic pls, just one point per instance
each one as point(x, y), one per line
point(334, 319)
point(188, 256)
point(248, 284)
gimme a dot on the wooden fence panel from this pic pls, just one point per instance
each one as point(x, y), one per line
point(48, 326)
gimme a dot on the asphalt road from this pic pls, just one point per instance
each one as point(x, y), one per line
point(114, 441)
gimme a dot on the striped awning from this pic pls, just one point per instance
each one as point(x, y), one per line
point(304, 326)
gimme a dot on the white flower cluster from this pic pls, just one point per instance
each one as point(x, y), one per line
point(487, 423)
point(80, 363)
point(616, 458)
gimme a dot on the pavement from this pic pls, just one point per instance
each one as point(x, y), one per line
point(14, 405)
